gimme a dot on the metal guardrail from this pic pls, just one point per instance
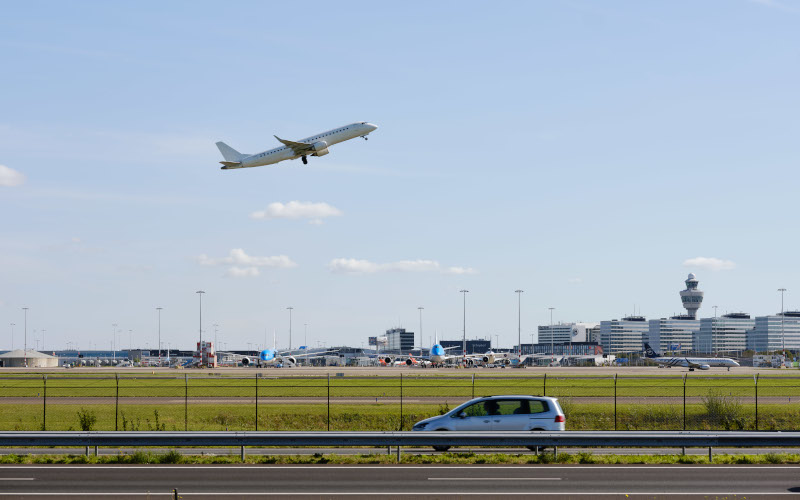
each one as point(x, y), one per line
point(672, 439)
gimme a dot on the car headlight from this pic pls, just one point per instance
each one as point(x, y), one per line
point(421, 426)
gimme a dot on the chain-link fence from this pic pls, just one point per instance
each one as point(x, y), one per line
point(262, 401)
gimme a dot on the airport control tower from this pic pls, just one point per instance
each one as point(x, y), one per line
point(692, 298)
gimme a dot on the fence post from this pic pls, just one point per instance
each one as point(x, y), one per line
point(473, 386)
point(544, 385)
point(615, 401)
point(401, 411)
point(257, 400)
point(684, 400)
point(329, 401)
point(116, 404)
point(186, 401)
point(44, 402)
point(755, 380)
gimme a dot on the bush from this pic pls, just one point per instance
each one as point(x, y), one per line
point(171, 457)
point(724, 410)
point(86, 420)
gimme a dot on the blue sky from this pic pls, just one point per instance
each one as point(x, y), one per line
point(581, 151)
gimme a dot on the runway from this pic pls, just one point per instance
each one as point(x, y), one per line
point(431, 481)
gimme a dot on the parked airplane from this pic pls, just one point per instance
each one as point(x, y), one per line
point(310, 146)
point(691, 363)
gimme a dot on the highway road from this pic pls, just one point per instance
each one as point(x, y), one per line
point(235, 451)
point(399, 481)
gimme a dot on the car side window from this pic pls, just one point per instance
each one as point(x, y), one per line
point(511, 407)
point(538, 407)
point(476, 410)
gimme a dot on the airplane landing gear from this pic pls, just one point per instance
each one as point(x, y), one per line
point(364, 137)
point(305, 160)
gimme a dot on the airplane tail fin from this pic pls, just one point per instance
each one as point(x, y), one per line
point(230, 154)
point(649, 352)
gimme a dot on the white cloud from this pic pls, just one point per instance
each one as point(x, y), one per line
point(459, 270)
point(10, 177)
point(242, 272)
point(710, 263)
point(575, 281)
point(298, 210)
point(360, 266)
point(243, 265)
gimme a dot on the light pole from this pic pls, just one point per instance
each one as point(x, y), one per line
point(290, 308)
point(464, 345)
point(783, 339)
point(159, 334)
point(25, 351)
point(114, 340)
point(305, 336)
point(199, 347)
point(713, 334)
point(43, 330)
point(519, 321)
point(552, 337)
point(215, 335)
point(420, 326)
point(12, 336)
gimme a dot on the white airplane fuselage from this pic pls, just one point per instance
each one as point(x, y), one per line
point(321, 142)
point(698, 362)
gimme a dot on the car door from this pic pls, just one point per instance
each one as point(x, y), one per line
point(473, 418)
point(512, 415)
point(540, 416)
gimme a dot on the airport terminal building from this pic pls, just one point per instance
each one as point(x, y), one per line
point(766, 334)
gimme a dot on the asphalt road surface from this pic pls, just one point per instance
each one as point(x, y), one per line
point(375, 481)
point(236, 451)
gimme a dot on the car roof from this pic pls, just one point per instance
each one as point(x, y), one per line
point(517, 396)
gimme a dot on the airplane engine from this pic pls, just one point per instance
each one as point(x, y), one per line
point(320, 148)
point(704, 367)
point(387, 360)
point(245, 361)
point(409, 362)
point(290, 359)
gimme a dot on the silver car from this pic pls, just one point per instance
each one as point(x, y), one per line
point(498, 413)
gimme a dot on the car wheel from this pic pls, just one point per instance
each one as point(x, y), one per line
point(441, 447)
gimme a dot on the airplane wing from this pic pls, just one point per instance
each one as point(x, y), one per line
point(298, 148)
point(689, 364)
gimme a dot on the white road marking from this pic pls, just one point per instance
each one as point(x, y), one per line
point(494, 479)
point(420, 494)
point(16, 479)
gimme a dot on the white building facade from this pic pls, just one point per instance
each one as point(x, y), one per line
point(624, 335)
point(674, 334)
point(564, 333)
point(772, 333)
point(725, 334)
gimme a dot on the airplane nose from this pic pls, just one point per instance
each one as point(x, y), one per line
point(372, 127)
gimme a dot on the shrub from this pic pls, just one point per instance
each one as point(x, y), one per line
point(170, 457)
point(86, 419)
point(724, 410)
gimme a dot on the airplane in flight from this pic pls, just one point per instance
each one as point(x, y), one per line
point(316, 145)
point(690, 363)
